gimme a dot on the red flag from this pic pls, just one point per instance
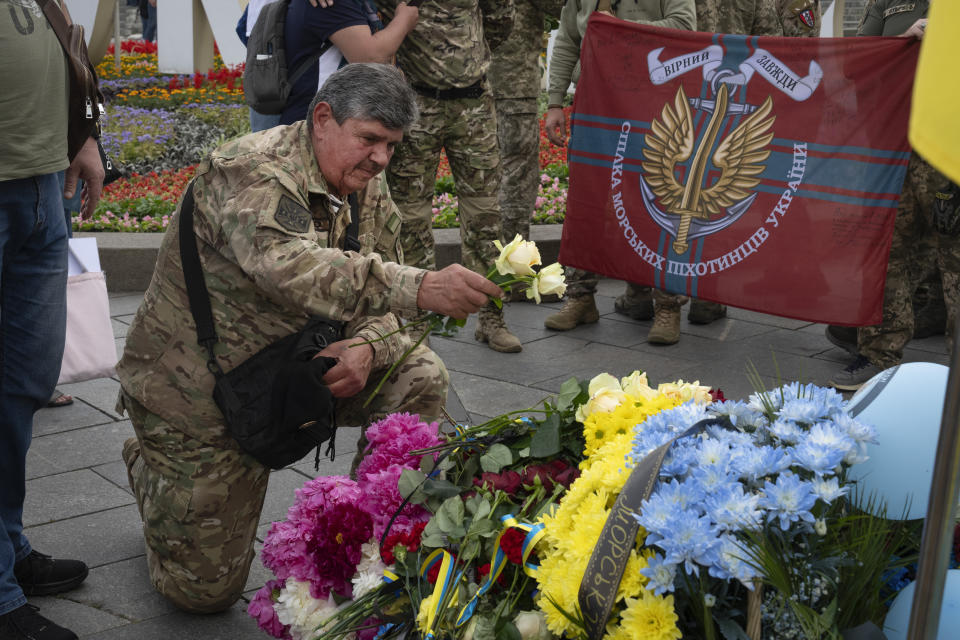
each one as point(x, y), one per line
point(754, 171)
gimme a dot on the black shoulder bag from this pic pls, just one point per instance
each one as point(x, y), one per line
point(275, 403)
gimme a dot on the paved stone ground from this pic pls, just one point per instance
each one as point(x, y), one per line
point(78, 504)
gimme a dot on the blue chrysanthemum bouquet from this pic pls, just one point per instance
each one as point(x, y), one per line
point(759, 508)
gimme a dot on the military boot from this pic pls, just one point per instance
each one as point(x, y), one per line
point(636, 302)
point(704, 312)
point(666, 325)
point(493, 330)
point(576, 310)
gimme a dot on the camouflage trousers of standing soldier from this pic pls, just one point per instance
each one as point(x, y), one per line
point(466, 129)
point(916, 250)
point(201, 504)
point(519, 134)
point(581, 282)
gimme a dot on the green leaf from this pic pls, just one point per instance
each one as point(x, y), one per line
point(569, 391)
point(437, 487)
point(546, 439)
point(730, 630)
point(432, 535)
point(427, 464)
point(450, 518)
point(508, 631)
point(482, 528)
point(470, 548)
point(497, 457)
point(410, 484)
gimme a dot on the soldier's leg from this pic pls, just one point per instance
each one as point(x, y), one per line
point(200, 507)
point(948, 259)
point(929, 310)
point(911, 253)
point(666, 318)
point(470, 139)
point(418, 385)
point(519, 137)
point(579, 306)
point(411, 175)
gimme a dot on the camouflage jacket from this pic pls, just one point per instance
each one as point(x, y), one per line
point(746, 17)
point(450, 46)
point(515, 68)
point(800, 18)
point(268, 233)
point(565, 60)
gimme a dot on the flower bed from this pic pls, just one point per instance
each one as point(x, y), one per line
point(161, 125)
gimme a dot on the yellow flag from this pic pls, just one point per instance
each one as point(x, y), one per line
point(935, 114)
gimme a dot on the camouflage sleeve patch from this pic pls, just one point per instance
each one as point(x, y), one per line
point(293, 216)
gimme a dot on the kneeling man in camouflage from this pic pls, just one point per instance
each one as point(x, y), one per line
point(270, 223)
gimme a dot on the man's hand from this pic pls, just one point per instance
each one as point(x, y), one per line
point(349, 376)
point(556, 126)
point(88, 166)
point(322, 3)
point(916, 30)
point(455, 291)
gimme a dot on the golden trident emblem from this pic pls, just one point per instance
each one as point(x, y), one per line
point(738, 156)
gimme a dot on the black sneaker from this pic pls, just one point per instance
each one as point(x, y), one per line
point(855, 375)
point(41, 575)
point(843, 337)
point(25, 623)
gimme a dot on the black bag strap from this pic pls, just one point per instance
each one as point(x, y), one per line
point(197, 292)
point(353, 231)
point(306, 64)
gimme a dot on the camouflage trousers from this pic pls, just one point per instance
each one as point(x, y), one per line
point(917, 249)
point(467, 129)
point(581, 282)
point(201, 504)
point(519, 134)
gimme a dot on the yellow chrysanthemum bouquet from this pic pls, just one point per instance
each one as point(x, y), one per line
point(609, 418)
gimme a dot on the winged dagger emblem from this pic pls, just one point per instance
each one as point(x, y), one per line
point(739, 157)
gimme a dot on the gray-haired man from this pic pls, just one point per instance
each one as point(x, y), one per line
point(270, 223)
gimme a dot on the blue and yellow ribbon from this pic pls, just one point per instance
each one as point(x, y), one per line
point(445, 583)
point(498, 560)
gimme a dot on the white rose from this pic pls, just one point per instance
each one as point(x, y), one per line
point(532, 625)
point(605, 396)
point(548, 280)
point(517, 258)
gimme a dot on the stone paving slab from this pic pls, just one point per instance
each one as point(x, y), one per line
point(79, 505)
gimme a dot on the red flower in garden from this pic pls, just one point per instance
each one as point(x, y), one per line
point(410, 540)
point(716, 395)
point(484, 570)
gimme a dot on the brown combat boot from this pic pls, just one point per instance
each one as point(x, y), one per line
point(576, 310)
point(704, 312)
point(666, 325)
point(636, 302)
point(493, 330)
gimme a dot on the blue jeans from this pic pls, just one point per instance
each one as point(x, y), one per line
point(33, 317)
point(150, 24)
point(261, 121)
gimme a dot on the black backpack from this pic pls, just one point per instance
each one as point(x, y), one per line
point(266, 86)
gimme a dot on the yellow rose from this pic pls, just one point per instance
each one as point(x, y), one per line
point(517, 258)
point(548, 280)
point(605, 395)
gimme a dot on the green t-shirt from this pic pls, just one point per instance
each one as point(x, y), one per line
point(33, 102)
point(892, 17)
